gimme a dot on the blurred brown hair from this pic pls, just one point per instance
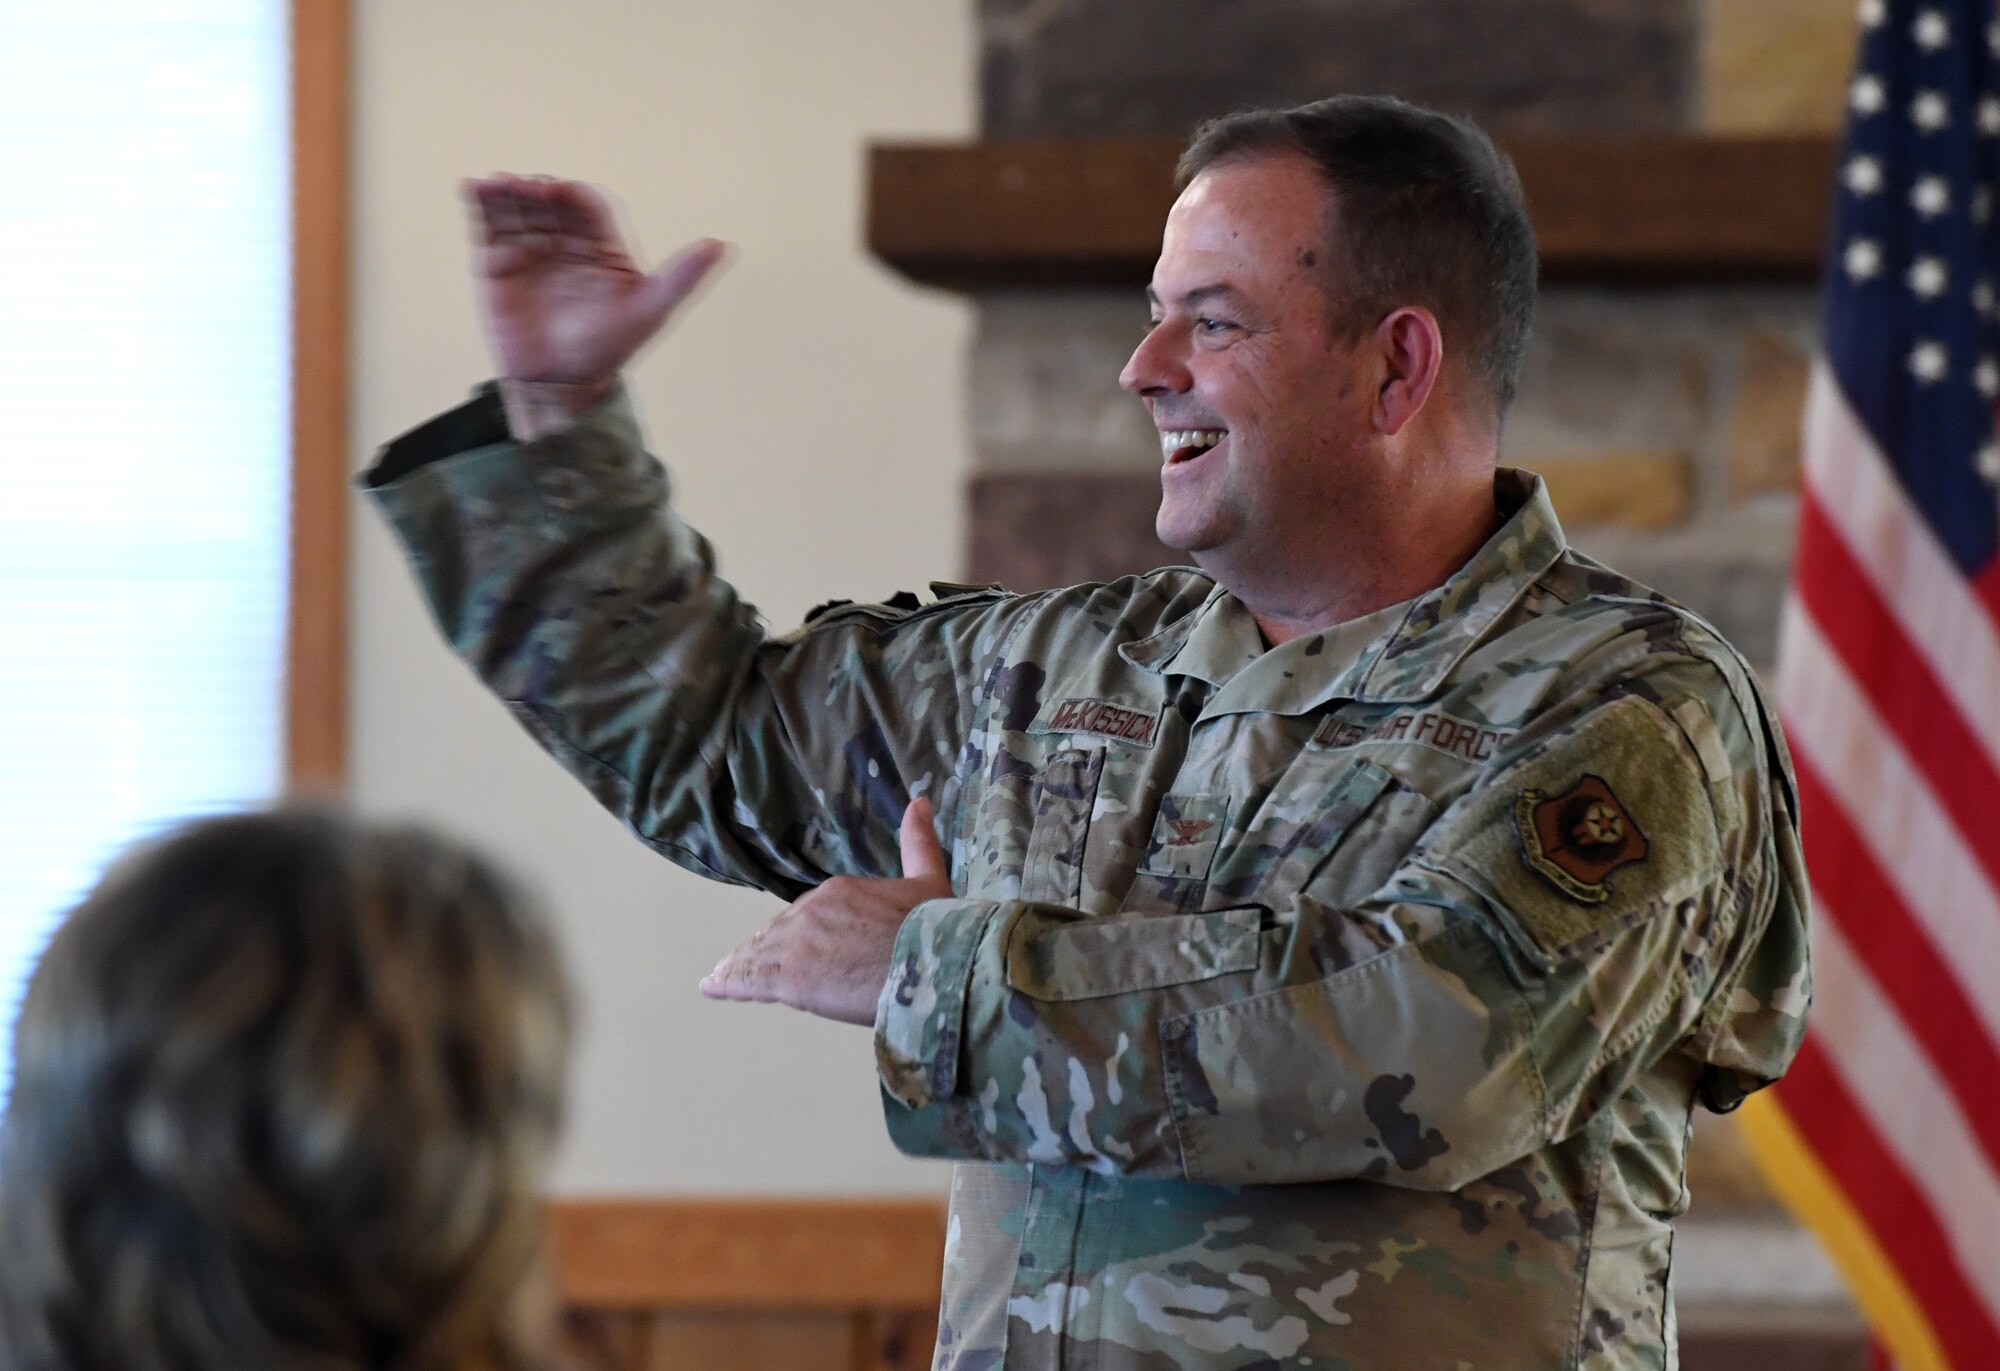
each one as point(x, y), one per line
point(284, 1089)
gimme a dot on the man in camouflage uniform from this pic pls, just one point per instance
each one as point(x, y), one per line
point(1327, 947)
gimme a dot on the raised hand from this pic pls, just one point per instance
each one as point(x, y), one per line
point(830, 952)
point(564, 305)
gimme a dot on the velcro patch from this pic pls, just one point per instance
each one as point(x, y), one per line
point(1609, 818)
point(1431, 728)
point(1101, 717)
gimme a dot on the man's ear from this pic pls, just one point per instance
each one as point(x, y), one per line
point(1411, 348)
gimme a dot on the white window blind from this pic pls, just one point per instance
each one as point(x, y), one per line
point(144, 305)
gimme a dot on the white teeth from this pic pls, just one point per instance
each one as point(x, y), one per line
point(1172, 440)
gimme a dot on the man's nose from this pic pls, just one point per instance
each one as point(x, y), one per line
point(1158, 365)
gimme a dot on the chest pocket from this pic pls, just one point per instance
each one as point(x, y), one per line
point(1294, 834)
point(1052, 868)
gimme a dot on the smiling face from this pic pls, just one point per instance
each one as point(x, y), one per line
point(1261, 401)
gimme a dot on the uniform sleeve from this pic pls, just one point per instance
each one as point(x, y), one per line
point(1550, 937)
point(559, 574)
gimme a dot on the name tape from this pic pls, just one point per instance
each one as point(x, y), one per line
point(1104, 719)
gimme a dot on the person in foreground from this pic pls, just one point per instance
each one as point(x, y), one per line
point(283, 1091)
point(1311, 957)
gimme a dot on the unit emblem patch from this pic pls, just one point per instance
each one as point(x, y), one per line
point(1578, 838)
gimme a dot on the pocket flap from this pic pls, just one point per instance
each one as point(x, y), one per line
point(1081, 959)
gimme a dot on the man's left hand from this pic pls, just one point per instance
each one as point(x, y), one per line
point(829, 953)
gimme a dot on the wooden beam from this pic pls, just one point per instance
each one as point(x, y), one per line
point(316, 627)
point(1020, 212)
point(1680, 208)
point(1637, 210)
point(797, 1255)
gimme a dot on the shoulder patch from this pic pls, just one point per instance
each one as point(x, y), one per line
point(1607, 819)
point(1576, 839)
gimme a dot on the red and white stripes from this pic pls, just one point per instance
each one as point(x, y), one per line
point(1890, 692)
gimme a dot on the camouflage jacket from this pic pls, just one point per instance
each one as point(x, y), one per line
point(1338, 1005)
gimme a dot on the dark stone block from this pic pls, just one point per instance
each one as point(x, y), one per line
point(1036, 530)
point(1084, 68)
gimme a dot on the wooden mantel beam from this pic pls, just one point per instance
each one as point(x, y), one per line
point(1651, 209)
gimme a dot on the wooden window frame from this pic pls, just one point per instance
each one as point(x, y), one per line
point(316, 603)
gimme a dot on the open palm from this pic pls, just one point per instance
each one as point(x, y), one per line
point(563, 302)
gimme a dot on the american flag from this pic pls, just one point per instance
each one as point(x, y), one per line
point(1885, 1137)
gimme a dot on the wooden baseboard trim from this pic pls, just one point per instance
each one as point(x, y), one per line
point(747, 1254)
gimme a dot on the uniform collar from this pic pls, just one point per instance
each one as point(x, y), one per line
point(1212, 644)
point(1398, 654)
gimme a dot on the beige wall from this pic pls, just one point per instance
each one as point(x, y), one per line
point(811, 407)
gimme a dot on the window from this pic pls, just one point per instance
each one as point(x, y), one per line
point(146, 403)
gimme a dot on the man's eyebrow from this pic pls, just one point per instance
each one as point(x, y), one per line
point(1200, 295)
